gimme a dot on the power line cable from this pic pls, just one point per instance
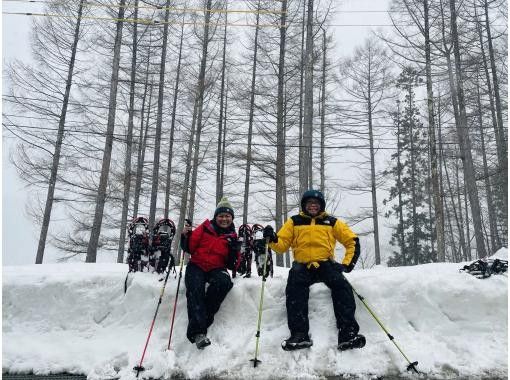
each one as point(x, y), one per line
point(156, 22)
point(153, 22)
point(162, 8)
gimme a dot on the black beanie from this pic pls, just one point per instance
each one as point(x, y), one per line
point(224, 206)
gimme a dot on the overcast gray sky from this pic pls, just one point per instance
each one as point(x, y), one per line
point(19, 236)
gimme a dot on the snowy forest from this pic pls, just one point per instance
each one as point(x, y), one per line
point(162, 107)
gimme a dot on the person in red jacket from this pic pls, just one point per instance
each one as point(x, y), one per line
point(214, 248)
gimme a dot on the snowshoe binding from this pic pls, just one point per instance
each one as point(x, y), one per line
point(262, 257)
point(246, 239)
point(296, 342)
point(162, 237)
point(138, 248)
point(352, 341)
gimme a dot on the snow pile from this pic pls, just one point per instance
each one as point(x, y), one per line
point(76, 318)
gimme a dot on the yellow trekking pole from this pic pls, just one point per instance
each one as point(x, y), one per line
point(264, 276)
point(412, 365)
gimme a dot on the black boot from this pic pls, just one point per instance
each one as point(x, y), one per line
point(350, 341)
point(202, 341)
point(296, 342)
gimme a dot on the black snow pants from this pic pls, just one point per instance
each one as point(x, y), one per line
point(298, 289)
point(202, 304)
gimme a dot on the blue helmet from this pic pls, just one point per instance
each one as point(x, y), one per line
point(313, 194)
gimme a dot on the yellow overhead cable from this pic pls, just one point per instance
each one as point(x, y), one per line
point(141, 20)
point(184, 10)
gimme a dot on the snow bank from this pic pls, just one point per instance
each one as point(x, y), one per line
point(76, 318)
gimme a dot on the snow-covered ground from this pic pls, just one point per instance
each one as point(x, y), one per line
point(76, 318)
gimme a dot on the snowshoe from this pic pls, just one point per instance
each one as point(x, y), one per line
point(297, 342)
point(484, 268)
point(354, 341)
point(202, 341)
point(162, 237)
point(138, 248)
point(246, 239)
point(262, 256)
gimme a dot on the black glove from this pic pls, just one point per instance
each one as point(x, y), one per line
point(340, 267)
point(234, 246)
point(270, 234)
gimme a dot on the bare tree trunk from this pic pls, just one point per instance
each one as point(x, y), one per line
point(430, 202)
point(460, 212)
point(220, 152)
point(280, 127)
point(413, 187)
point(499, 148)
point(458, 219)
point(450, 229)
point(186, 185)
point(172, 125)
point(323, 114)
point(468, 238)
point(502, 147)
point(305, 176)
point(436, 193)
point(442, 161)
point(224, 142)
point(464, 141)
point(159, 120)
point(58, 143)
point(495, 243)
point(373, 189)
point(302, 162)
point(199, 101)
point(400, 211)
point(142, 141)
point(105, 169)
point(250, 121)
point(285, 206)
point(129, 143)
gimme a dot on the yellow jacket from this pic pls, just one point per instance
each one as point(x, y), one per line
point(313, 240)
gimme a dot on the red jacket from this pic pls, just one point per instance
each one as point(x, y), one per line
point(210, 250)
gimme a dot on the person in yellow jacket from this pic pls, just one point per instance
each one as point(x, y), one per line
point(312, 235)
